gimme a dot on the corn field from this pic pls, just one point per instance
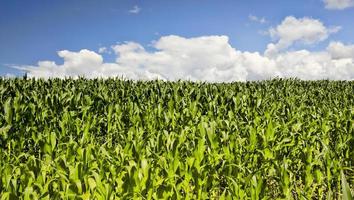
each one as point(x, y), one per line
point(121, 139)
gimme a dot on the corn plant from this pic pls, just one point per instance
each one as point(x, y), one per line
point(123, 139)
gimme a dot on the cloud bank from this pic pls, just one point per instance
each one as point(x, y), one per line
point(212, 58)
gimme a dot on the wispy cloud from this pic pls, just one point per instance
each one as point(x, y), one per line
point(9, 75)
point(135, 10)
point(338, 4)
point(260, 20)
point(103, 50)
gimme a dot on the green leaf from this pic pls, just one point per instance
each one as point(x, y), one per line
point(268, 154)
point(53, 140)
point(8, 110)
point(92, 183)
point(347, 195)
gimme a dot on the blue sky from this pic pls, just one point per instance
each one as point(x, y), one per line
point(31, 31)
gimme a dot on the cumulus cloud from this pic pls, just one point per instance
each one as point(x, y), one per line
point(303, 30)
point(210, 58)
point(338, 4)
point(260, 20)
point(82, 63)
point(338, 50)
point(135, 10)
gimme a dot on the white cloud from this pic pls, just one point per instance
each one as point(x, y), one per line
point(135, 10)
point(82, 63)
point(9, 75)
point(211, 58)
point(338, 50)
point(338, 4)
point(303, 30)
point(254, 18)
point(208, 58)
point(103, 50)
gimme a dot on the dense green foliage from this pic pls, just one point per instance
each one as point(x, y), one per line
point(110, 139)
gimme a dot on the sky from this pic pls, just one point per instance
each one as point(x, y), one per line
point(198, 40)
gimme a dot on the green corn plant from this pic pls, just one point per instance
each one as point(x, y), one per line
point(124, 139)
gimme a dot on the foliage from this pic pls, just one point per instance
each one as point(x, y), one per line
point(120, 139)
